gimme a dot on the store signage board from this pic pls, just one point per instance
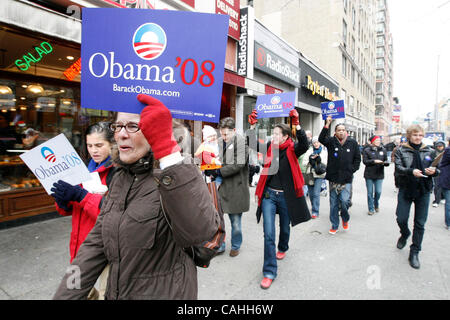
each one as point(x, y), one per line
point(275, 105)
point(230, 8)
point(146, 4)
point(167, 54)
point(335, 109)
point(55, 160)
point(396, 108)
point(242, 59)
point(271, 63)
point(73, 70)
point(435, 136)
point(33, 56)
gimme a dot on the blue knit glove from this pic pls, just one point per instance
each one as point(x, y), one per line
point(64, 192)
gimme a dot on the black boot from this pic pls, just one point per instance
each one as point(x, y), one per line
point(414, 260)
point(401, 243)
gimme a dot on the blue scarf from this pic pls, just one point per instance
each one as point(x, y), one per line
point(317, 151)
point(93, 166)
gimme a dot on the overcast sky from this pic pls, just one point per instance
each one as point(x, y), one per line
point(421, 33)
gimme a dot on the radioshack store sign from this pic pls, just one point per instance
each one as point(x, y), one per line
point(271, 63)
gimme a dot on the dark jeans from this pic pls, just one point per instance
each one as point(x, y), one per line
point(438, 193)
point(339, 202)
point(314, 195)
point(236, 232)
point(420, 217)
point(374, 187)
point(276, 203)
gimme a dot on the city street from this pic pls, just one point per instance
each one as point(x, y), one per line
point(361, 263)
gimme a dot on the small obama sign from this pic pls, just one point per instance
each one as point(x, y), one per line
point(335, 109)
point(175, 56)
point(55, 160)
point(275, 105)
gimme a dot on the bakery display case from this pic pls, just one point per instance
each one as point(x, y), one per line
point(21, 194)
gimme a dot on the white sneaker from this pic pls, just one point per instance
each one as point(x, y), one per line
point(435, 205)
point(443, 201)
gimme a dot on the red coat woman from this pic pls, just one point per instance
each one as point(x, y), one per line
point(76, 201)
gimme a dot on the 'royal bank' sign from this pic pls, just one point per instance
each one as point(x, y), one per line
point(169, 55)
point(271, 63)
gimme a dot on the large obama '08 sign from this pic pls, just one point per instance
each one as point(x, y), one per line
point(177, 57)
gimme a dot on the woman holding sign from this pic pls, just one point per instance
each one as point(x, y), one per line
point(76, 201)
point(153, 186)
point(279, 190)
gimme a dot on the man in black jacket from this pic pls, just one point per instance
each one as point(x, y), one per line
point(344, 158)
point(413, 167)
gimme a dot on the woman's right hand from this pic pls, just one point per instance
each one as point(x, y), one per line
point(156, 125)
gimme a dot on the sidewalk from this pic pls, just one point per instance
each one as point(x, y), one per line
point(361, 263)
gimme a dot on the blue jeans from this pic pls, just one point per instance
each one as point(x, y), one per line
point(373, 199)
point(314, 195)
point(339, 202)
point(276, 203)
point(236, 232)
point(420, 217)
point(446, 193)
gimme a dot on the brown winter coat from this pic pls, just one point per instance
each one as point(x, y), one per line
point(234, 191)
point(146, 258)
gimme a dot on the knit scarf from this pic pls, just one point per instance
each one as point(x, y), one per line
point(416, 186)
point(93, 166)
point(318, 150)
point(295, 169)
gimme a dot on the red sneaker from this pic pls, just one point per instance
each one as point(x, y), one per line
point(333, 231)
point(345, 225)
point(266, 283)
point(281, 255)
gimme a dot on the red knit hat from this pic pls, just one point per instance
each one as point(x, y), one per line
point(373, 138)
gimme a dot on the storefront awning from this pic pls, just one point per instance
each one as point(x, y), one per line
point(35, 18)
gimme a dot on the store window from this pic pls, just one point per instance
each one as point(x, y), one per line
point(344, 66)
point(32, 113)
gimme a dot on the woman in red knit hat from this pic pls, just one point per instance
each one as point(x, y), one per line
point(375, 159)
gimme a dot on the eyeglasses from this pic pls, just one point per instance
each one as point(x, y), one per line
point(130, 127)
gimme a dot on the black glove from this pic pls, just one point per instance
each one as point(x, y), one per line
point(314, 161)
point(213, 173)
point(64, 192)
